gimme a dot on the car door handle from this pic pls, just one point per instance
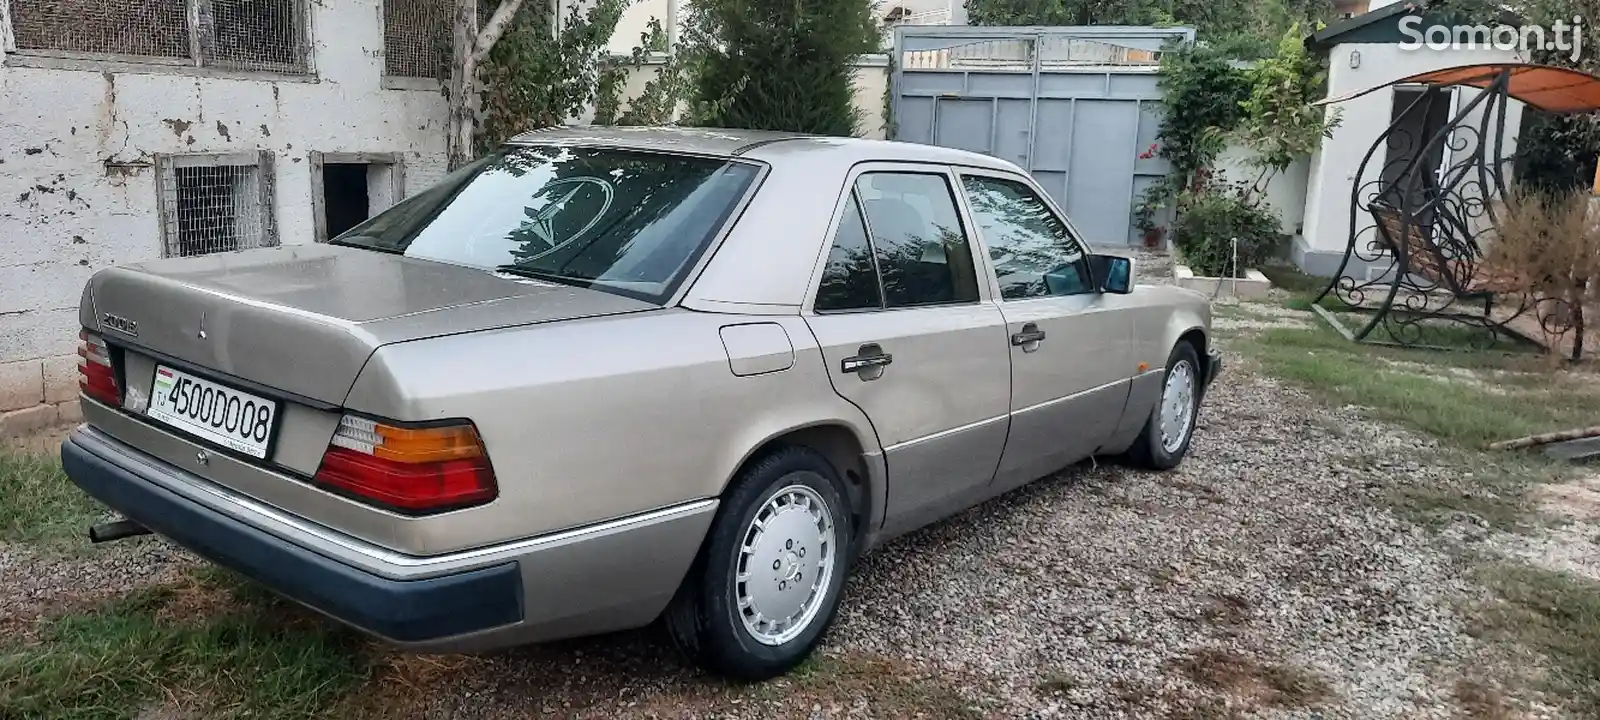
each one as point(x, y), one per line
point(867, 358)
point(1030, 334)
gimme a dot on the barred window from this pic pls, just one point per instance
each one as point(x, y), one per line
point(416, 37)
point(215, 203)
point(257, 35)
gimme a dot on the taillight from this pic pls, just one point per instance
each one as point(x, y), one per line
point(410, 469)
point(96, 378)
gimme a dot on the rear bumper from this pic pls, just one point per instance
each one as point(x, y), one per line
point(401, 610)
point(593, 580)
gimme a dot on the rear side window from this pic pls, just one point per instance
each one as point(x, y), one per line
point(920, 252)
point(850, 280)
point(626, 222)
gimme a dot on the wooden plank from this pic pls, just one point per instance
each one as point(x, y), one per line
point(269, 204)
point(237, 159)
point(319, 208)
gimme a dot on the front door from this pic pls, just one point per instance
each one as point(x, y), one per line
point(1069, 349)
point(910, 339)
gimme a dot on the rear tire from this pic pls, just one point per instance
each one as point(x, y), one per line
point(758, 599)
point(1167, 433)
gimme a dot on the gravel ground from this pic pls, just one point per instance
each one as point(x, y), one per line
point(1260, 578)
point(1093, 593)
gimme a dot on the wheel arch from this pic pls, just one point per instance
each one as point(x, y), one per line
point(1201, 340)
point(855, 456)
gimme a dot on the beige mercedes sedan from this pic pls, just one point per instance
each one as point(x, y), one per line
point(603, 377)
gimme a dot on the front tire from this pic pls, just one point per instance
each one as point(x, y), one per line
point(1167, 433)
point(767, 582)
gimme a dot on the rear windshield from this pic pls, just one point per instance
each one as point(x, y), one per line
point(626, 222)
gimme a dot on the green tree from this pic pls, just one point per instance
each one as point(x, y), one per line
point(1062, 12)
point(538, 74)
point(1244, 29)
point(776, 64)
point(1203, 97)
point(1280, 123)
point(1556, 154)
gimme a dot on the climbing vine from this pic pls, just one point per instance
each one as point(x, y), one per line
point(658, 100)
point(1202, 101)
point(1208, 103)
point(1280, 123)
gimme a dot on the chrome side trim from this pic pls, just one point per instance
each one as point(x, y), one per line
point(1068, 398)
point(1014, 413)
point(946, 433)
point(228, 501)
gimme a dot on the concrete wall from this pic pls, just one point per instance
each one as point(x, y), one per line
point(1285, 191)
point(77, 192)
point(1333, 168)
point(635, 21)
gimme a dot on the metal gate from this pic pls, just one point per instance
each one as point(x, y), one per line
point(1075, 106)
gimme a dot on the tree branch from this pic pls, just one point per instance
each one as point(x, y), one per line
point(491, 32)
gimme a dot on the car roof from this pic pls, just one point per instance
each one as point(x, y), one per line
point(765, 145)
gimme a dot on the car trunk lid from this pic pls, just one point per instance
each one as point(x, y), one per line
point(304, 320)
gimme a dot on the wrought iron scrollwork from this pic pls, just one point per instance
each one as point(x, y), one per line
point(1421, 213)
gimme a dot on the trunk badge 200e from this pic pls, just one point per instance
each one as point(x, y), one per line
point(121, 324)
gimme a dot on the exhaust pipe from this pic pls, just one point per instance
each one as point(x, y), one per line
point(106, 532)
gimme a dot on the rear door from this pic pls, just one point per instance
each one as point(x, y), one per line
point(910, 337)
point(1069, 346)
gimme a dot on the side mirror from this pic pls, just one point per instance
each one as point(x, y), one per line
point(1113, 272)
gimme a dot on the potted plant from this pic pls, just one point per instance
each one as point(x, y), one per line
point(1151, 202)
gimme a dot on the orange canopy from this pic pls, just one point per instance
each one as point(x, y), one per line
point(1546, 87)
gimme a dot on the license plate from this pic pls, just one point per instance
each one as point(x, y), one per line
point(218, 413)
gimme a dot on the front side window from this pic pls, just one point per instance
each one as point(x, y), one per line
point(923, 254)
point(1031, 249)
point(627, 222)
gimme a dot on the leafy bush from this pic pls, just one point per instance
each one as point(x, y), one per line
point(1211, 217)
point(776, 64)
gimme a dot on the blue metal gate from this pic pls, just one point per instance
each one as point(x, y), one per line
point(1075, 106)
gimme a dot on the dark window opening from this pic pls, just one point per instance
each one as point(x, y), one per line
point(344, 196)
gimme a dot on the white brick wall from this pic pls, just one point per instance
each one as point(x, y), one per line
point(77, 194)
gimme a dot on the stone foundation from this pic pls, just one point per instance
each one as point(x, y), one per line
point(38, 393)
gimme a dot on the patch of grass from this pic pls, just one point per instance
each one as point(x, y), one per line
point(1261, 684)
point(1555, 614)
point(894, 688)
point(1304, 304)
point(1137, 693)
point(1413, 388)
point(1482, 702)
point(1058, 682)
point(1493, 488)
point(1289, 277)
point(37, 501)
point(1227, 610)
point(1434, 507)
point(238, 660)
